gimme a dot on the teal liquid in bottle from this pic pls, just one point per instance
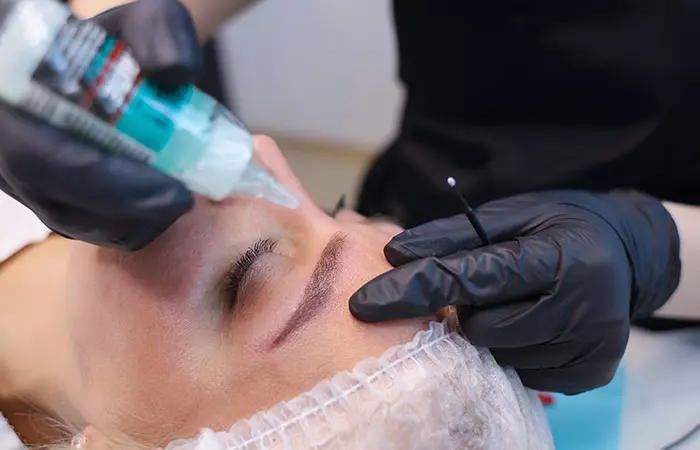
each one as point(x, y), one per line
point(75, 76)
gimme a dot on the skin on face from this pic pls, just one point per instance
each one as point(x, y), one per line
point(161, 352)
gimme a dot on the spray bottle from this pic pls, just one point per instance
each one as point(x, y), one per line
point(73, 75)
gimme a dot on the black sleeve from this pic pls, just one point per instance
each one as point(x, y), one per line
point(211, 81)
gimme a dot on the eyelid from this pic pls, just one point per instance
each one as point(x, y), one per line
point(238, 274)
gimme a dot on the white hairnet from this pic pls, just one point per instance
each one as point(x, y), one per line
point(436, 392)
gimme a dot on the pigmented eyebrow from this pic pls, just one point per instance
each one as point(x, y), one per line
point(318, 290)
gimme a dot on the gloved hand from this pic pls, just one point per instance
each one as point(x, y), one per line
point(553, 296)
point(74, 188)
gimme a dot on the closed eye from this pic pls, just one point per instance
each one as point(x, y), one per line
point(238, 274)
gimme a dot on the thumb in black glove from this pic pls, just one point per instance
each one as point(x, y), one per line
point(555, 294)
point(77, 190)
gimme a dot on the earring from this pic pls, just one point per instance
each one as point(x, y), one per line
point(78, 443)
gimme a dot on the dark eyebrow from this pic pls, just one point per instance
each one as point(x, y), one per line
point(318, 290)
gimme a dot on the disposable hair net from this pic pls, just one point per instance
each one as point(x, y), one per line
point(436, 392)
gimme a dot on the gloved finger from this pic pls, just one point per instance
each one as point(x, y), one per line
point(542, 340)
point(482, 278)
point(72, 172)
point(162, 38)
point(121, 187)
point(574, 378)
point(595, 354)
point(533, 333)
point(502, 220)
point(544, 318)
point(127, 234)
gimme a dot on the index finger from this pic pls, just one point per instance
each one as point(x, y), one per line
point(502, 220)
point(482, 278)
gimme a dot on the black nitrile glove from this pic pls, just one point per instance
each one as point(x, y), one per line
point(82, 193)
point(553, 296)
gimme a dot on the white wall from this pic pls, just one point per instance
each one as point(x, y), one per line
point(315, 69)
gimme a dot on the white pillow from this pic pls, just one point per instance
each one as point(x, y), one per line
point(8, 438)
point(19, 227)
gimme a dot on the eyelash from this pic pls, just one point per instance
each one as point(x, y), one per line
point(238, 271)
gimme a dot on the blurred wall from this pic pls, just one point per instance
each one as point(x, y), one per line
point(322, 70)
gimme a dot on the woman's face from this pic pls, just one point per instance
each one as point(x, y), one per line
point(240, 305)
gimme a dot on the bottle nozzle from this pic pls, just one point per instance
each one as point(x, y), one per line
point(257, 182)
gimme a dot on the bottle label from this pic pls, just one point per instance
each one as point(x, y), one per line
point(96, 72)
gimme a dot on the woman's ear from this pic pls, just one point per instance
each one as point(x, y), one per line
point(272, 158)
